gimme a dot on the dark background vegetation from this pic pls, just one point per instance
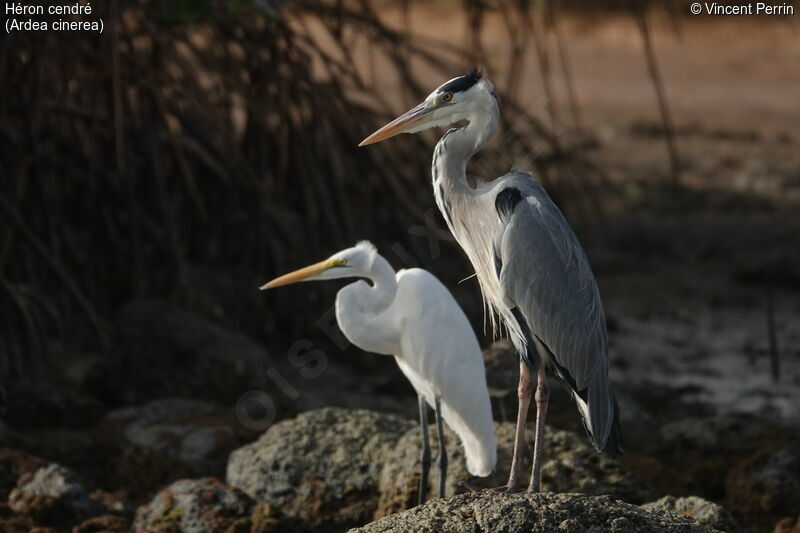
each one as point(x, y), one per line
point(197, 149)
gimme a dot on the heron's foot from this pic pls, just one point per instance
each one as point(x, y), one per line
point(533, 490)
point(508, 489)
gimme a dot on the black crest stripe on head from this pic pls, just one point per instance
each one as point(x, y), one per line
point(462, 83)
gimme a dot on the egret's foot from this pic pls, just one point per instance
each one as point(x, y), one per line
point(466, 486)
point(532, 490)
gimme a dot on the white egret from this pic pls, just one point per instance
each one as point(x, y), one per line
point(413, 317)
point(531, 268)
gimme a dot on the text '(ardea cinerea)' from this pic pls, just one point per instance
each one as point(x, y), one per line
point(412, 316)
point(532, 270)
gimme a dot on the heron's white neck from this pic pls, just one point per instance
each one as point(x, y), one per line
point(457, 146)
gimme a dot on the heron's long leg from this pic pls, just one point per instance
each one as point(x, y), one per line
point(542, 398)
point(442, 459)
point(426, 449)
point(524, 394)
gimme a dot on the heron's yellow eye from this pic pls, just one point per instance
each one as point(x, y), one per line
point(446, 97)
point(338, 263)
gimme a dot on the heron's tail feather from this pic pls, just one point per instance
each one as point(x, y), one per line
point(600, 413)
point(614, 444)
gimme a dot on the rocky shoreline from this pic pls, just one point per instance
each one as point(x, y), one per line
point(333, 469)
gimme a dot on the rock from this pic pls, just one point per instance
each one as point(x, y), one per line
point(704, 449)
point(115, 502)
point(103, 524)
point(702, 511)
point(767, 482)
point(266, 518)
point(204, 505)
point(196, 433)
point(171, 438)
point(53, 495)
point(11, 522)
point(663, 478)
point(536, 513)
point(570, 464)
point(13, 465)
point(787, 525)
point(321, 467)
point(185, 355)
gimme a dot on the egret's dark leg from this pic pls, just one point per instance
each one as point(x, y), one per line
point(442, 459)
point(524, 393)
point(426, 449)
point(542, 397)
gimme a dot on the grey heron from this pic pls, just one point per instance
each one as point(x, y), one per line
point(411, 315)
point(533, 273)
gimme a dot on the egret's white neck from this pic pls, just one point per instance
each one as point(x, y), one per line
point(378, 297)
point(457, 146)
point(359, 305)
point(384, 285)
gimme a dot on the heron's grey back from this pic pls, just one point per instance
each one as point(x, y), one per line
point(546, 274)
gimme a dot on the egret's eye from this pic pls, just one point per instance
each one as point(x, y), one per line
point(446, 97)
point(338, 263)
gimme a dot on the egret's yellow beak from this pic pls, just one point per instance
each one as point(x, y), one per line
point(407, 123)
point(303, 273)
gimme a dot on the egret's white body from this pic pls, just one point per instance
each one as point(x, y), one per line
point(432, 341)
point(412, 316)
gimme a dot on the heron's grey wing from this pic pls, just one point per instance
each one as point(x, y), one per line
point(544, 272)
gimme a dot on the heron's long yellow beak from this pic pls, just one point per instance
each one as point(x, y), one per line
point(401, 124)
point(301, 274)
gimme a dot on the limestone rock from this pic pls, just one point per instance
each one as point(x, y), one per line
point(321, 467)
point(204, 505)
point(196, 434)
point(53, 495)
point(484, 512)
point(570, 464)
point(787, 525)
point(104, 524)
point(767, 482)
point(703, 511)
point(13, 465)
